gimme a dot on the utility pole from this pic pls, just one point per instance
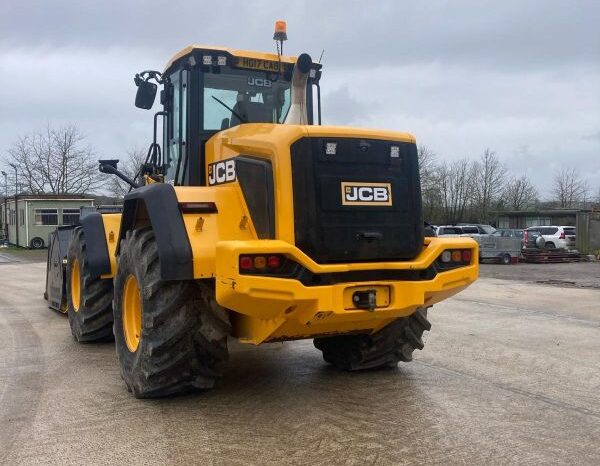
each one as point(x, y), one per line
point(16, 207)
point(5, 205)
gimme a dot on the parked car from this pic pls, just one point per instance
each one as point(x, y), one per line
point(570, 236)
point(446, 230)
point(511, 233)
point(477, 229)
point(532, 238)
point(555, 237)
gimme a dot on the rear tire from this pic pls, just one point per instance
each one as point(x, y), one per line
point(36, 243)
point(89, 298)
point(550, 246)
point(385, 348)
point(182, 332)
point(506, 259)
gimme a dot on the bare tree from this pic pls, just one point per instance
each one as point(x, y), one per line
point(130, 166)
point(455, 184)
point(430, 192)
point(55, 161)
point(519, 194)
point(569, 188)
point(427, 167)
point(488, 182)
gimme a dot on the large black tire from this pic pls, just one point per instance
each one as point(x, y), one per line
point(385, 348)
point(91, 319)
point(183, 334)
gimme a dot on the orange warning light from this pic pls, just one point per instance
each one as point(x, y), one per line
point(280, 30)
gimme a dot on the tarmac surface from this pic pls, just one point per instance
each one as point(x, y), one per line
point(510, 374)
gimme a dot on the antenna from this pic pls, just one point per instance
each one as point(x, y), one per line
point(321, 56)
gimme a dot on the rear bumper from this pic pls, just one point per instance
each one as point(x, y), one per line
point(271, 309)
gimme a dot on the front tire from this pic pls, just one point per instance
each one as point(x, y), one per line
point(385, 348)
point(89, 298)
point(171, 336)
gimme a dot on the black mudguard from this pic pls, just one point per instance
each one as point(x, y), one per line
point(156, 205)
point(96, 249)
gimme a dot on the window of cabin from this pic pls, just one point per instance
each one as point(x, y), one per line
point(46, 217)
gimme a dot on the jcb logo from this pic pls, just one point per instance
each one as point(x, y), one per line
point(221, 172)
point(371, 194)
point(260, 82)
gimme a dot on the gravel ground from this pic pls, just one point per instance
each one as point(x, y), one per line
point(23, 255)
point(509, 375)
point(571, 274)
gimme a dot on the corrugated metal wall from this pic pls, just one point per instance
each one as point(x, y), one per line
point(588, 232)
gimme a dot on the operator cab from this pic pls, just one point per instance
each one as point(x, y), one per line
point(210, 89)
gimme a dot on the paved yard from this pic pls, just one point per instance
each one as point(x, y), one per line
point(510, 374)
point(571, 274)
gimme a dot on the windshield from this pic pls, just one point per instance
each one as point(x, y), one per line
point(490, 230)
point(237, 96)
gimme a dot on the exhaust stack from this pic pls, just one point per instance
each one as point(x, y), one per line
point(297, 115)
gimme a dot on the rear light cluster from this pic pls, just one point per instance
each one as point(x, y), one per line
point(261, 263)
point(562, 235)
point(456, 257)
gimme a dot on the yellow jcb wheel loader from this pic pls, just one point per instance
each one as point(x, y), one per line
point(253, 220)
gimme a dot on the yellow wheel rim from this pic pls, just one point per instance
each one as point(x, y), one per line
point(132, 313)
point(75, 285)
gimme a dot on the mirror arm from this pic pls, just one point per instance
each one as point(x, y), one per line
point(110, 167)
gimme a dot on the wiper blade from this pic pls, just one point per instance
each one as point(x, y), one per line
point(230, 109)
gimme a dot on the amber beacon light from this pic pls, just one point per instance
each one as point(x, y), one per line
point(280, 31)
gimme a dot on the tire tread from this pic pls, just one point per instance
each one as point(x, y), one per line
point(385, 348)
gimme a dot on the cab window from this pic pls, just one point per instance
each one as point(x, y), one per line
point(233, 96)
point(176, 129)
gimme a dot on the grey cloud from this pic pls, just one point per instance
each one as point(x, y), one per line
point(591, 136)
point(341, 108)
point(536, 33)
point(461, 76)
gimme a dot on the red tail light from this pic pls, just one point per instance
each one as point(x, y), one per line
point(246, 263)
point(466, 255)
point(526, 236)
point(562, 235)
point(262, 263)
point(274, 262)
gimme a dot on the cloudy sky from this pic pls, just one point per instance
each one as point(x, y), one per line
point(521, 77)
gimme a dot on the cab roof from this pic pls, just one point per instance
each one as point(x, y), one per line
point(190, 49)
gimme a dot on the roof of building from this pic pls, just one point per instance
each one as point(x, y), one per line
point(50, 197)
point(550, 212)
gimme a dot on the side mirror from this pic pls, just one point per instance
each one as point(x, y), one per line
point(145, 95)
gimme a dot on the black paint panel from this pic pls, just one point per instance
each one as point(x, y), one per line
point(330, 232)
point(255, 176)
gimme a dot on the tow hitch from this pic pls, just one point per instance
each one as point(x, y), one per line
point(365, 299)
